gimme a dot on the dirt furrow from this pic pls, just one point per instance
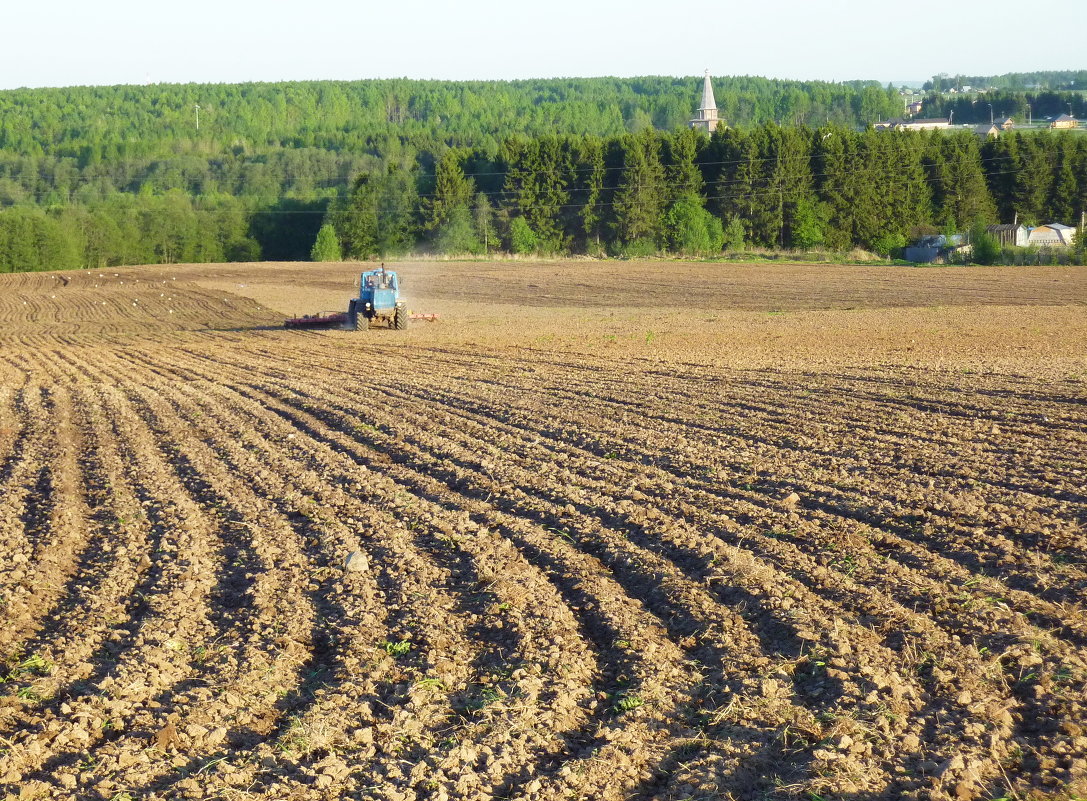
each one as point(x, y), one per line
point(483, 696)
point(990, 768)
point(788, 477)
point(110, 565)
point(118, 691)
point(540, 548)
point(611, 637)
point(46, 518)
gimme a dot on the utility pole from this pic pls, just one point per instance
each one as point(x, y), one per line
point(990, 113)
point(197, 107)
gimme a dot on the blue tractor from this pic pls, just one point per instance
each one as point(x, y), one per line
point(378, 301)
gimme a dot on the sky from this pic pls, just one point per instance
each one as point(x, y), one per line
point(65, 42)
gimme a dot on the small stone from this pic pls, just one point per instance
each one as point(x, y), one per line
point(790, 500)
point(911, 742)
point(845, 742)
point(166, 738)
point(216, 736)
point(964, 791)
point(951, 767)
point(356, 562)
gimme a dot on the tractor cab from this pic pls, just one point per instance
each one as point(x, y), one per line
point(379, 279)
point(379, 299)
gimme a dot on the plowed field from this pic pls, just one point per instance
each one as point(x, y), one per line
point(624, 531)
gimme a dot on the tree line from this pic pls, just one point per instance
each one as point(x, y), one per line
point(768, 186)
point(631, 194)
point(1021, 106)
point(1022, 81)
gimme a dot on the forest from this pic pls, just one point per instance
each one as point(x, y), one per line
point(104, 176)
point(769, 186)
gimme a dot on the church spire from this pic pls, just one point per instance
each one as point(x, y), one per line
point(707, 114)
point(708, 103)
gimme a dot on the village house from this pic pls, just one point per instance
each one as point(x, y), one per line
point(706, 120)
point(899, 124)
point(1064, 121)
point(987, 131)
point(1052, 235)
point(1010, 236)
point(915, 107)
point(1006, 124)
point(938, 249)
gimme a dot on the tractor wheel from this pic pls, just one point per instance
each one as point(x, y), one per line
point(400, 319)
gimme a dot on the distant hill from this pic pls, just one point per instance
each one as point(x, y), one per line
point(102, 124)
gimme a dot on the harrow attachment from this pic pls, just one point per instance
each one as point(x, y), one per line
point(325, 319)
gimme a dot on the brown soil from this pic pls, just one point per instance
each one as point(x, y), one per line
point(632, 531)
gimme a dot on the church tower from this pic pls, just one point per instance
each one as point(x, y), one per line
point(707, 115)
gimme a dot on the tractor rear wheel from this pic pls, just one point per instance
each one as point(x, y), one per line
point(400, 319)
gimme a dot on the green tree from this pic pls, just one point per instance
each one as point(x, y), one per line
point(809, 224)
point(589, 188)
point(640, 198)
point(453, 191)
point(327, 245)
point(356, 221)
point(887, 243)
point(733, 235)
point(522, 237)
point(484, 221)
point(1079, 247)
point(683, 176)
point(457, 234)
point(985, 248)
point(691, 230)
point(1064, 198)
point(397, 211)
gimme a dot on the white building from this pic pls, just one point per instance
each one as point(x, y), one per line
point(707, 114)
point(1053, 235)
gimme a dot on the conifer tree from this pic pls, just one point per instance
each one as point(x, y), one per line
point(453, 190)
point(1064, 197)
point(588, 189)
point(640, 199)
point(684, 177)
point(327, 246)
point(356, 222)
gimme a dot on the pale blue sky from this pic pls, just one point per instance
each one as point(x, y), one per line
point(66, 42)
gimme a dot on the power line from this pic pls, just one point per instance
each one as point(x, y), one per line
point(502, 194)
